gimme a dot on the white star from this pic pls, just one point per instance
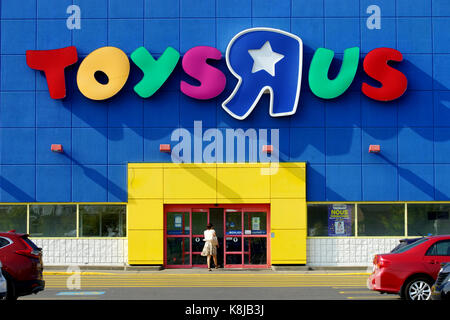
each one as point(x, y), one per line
point(265, 59)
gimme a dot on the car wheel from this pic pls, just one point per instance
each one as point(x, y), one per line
point(418, 289)
point(10, 289)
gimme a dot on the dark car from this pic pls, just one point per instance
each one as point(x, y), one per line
point(22, 265)
point(441, 288)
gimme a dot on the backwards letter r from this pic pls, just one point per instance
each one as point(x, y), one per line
point(264, 60)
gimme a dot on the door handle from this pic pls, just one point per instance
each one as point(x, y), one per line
point(432, 262)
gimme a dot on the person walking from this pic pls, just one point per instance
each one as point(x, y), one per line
point(211, 245)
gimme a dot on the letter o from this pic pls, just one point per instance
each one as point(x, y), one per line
point(110, 60)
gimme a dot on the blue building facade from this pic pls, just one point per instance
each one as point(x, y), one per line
point(100, 138)
point(332, 136)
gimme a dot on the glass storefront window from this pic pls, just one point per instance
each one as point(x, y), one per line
point(199, 222)
point(255, 223)
point(381, 220)
point(255, 251)
point(13, 217)
point(233, 259)
point(178, 223)
point(233, 244)
point(53, 220)
point(233, 223)
point(424, 219)
point(102, 220)
point(331, 220)
point(178, 251)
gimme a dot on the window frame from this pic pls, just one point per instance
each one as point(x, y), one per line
point(356, 222)
point(122, 221)
point(77, 236)
point(353, 220)
point(360, 209)
point(26, 214)
point(74, 213)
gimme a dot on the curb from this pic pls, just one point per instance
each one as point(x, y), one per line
point(62, 273)
point(118, 274)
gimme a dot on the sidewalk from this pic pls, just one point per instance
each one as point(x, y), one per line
point(111, 270)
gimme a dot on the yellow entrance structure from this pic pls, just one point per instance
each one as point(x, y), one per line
point(152, 185)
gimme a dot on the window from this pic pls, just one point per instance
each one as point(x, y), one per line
point(381, 220)
point(330, 220)
point(440, 248)
point(102, 220)
point(410, 246)
point(13, 217)
point(424, 219)
point(53, 220)
point(4, 242)
point(178, 223)
point(255, 223)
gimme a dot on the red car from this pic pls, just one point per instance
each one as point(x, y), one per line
point(22, 265)
point(411, 270)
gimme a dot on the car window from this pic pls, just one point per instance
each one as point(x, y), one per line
point(30, 243)
point(3, 242)
point(411, 245)
point(440, 248)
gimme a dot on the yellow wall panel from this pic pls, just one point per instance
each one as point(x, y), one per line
point(288, 246)
point(145, 247)
point(190, 183)
point(145, 183)
point(288, 213)
point(288, 182)
point(240, 183)
point(145, 214)
point(243, 200)
point(189, 201)
point(153, 185)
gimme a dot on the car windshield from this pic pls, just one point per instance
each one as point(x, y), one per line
point(411, 245)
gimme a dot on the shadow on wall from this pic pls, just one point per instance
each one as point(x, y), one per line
point(413, 131)
point(14, 191)
point(325, 134)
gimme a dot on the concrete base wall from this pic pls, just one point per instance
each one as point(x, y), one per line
point(321, 252)
point(95, 252)
point(347, 252)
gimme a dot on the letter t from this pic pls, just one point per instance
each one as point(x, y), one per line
point(53, 63)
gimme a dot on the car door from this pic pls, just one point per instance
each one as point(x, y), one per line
point(438, 253)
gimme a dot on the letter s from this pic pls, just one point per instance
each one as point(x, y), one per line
point(393, 82)
point(212, 80)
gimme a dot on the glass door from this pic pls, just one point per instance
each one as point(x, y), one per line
point(255, 238)
point(242, 232)
point(199, 221)
point(233, 238)
point(216, 218)
point(178, 241)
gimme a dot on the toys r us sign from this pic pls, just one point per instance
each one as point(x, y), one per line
point(264, 60)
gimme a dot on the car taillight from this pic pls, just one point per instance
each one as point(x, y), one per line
point(29, 253)
point(375, 260)
point(380, 262)
point(383, 263)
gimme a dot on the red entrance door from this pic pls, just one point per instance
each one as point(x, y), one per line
point(242, 231)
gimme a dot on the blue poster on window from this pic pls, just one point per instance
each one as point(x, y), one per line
point(339, 220)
